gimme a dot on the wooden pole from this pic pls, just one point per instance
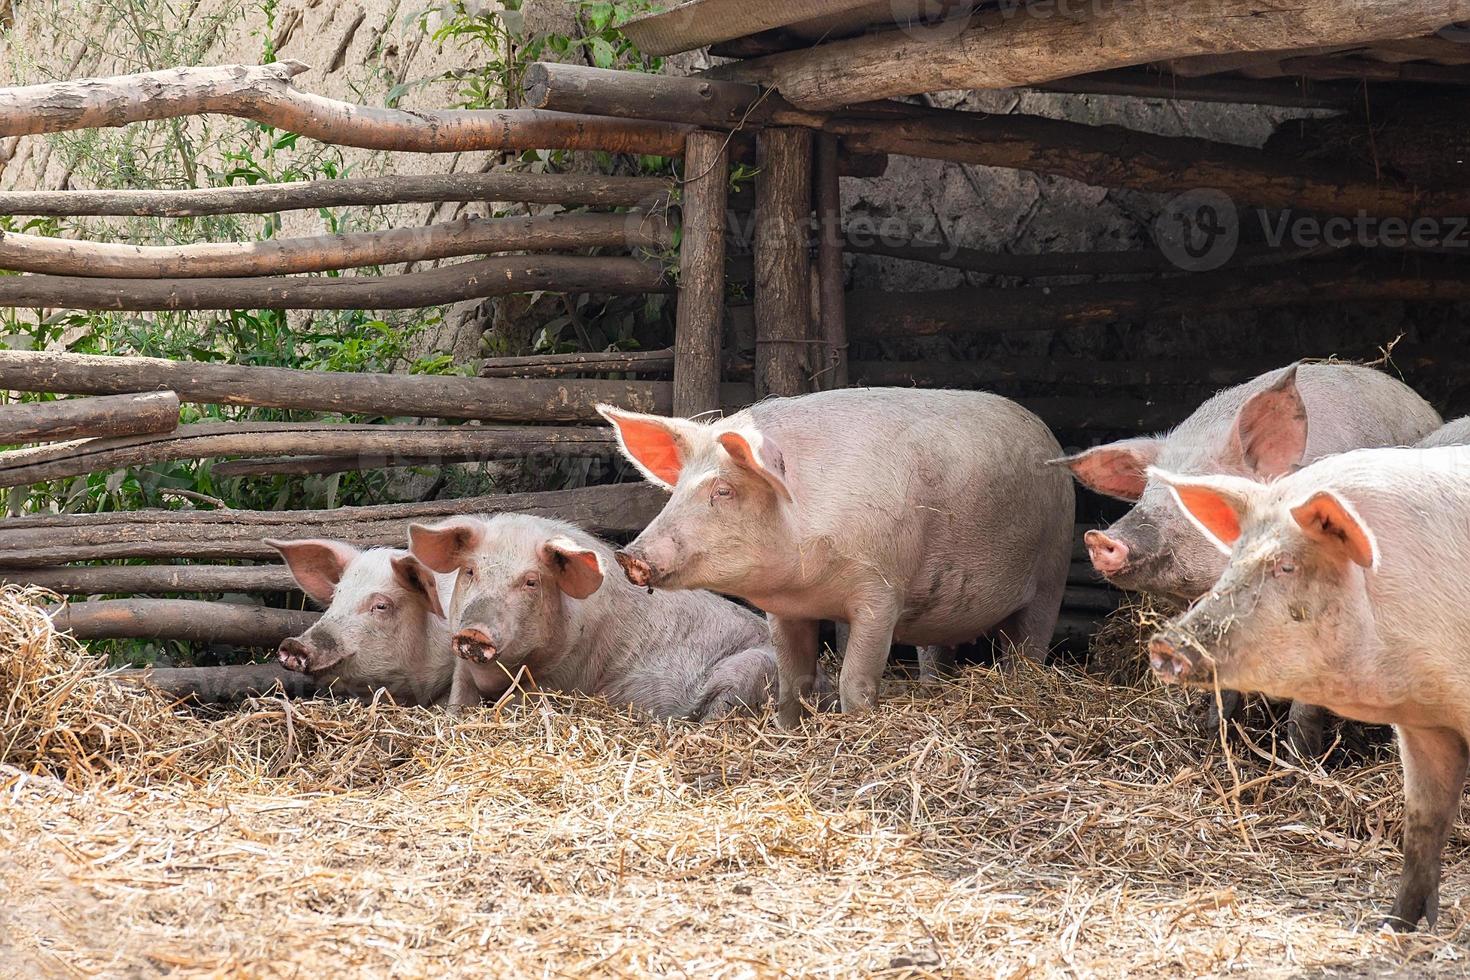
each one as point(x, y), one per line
point(699, 328)
point(832, 290)
point(591, 362)
point(153, 579)
point(435, 287)
point(319, 253)
point(782, 266)
point(190, 620)
point(316, 465)
point(224, 685)
point(589, 189)
point(72, 418)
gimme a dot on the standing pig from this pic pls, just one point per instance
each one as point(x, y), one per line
point(530, 592)
point(384, 626)
point(1346, 588)
point(1262, 430)
point(926, 517)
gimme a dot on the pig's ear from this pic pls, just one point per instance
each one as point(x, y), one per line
point(443, 547)
point(1270, 434)
point(418, 580)
point(757, 454)
point(1330, 520)
point(1216, 505)
point(1116, 469)
point(578, 569)
point(658, 446)
point(316, 565)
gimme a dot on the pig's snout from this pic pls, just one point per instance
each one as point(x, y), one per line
point(1109, 555)
point(1172, 659)
point(474, 645)
point(639, 572)
point(294, 655)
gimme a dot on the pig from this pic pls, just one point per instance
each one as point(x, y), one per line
point(1262, 429)
point(384, 627)
point(532, 593)
point(926, 517)
point(1455, 433)
point(1345, 587)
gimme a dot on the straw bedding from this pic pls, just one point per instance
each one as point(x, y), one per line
point(1031, 824)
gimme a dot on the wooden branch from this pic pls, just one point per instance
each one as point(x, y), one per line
point(1330, 68)
point(315, 465)
point(265, 94)
point(435, 287)
point(831, 288)
point(630, 94)
point(20, 467)
point(589, 189)
point(232, 535)
point(1146, 83)
point(224, 685)
point(699, 329)
point(319, 253)
point(153, 579)
point(1000, 49)
point(563, 365)
point(698, 23)
point(190, 620)
point(71, 418)
point(782, 268)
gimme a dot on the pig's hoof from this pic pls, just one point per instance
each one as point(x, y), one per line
point(1305, 730)
point(474, 646)
point(1207, 718)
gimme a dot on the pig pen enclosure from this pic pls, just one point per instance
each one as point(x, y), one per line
point(1072, 820)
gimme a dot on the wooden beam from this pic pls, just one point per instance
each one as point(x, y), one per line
point(316, 465)
point(152, 579)
point(190, 620)
point(1146, 83)
point(584, 189)
point(1009, 47)
point(1332, 68)
point(699, 329)
point(583, 362)
point(224, 685)
point(72, 418)
point(697, 23)
point(266, 94)
point(782, 267)
point(319, 253)
point(478, 279)
point(831, 290)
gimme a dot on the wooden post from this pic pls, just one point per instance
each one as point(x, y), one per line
point(782, 268)
point(146, 413)
point(832, 365)
point(701, 312)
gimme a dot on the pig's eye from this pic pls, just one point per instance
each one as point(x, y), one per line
point(468, 571)
point(533, 581)
point(1285, 566)
point(381, 606)
point(720, 490)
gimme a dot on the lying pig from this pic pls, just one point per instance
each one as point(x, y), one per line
point(1346, 587)
point(384, 626)
point(926, 517)
point(531, 593)
point(1455, 433)
point(1262, 429)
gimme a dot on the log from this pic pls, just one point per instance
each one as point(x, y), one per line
point(266, 94)
point(782, 268)
point(1001, 49)
point(316, 465)
point(1332, 69)
point(153, 579)
point(223, 685)
point(831, 287)
point(435, 287)
point(232, 535)
point(72, 418)
point(564, 365)
point(582, 189)
point(319, 253)
point(1146, 83)
point(1011, 371)
point(190, 620)
point(699, 327)
point(631, 94)
point(698, 23)
point(20, 467)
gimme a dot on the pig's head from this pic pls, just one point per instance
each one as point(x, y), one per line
point(514, 576)
point(1290, 614)
point(382, 608)
point(1154, 548)
point(726, 517)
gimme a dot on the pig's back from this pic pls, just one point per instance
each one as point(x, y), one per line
point(1456, 433)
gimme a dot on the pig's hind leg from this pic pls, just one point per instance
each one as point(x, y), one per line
point(936, 663)
point(742, 682)
point(1434, 761)
point(797, 673)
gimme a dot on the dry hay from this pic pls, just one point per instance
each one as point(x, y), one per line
point(1036, 824)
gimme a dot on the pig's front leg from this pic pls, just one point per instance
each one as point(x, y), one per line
point(796, 666)
point(463, 692)
point(869, 641)
point(1434, 761)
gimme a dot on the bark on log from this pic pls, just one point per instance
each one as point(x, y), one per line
point(224, 685)
point(53, 539)
point(316, 465)
point(701, 312)
point(450, 284)
point(190, 620)
point(999, 49)
point(630, 94)
point(20, 467)
point(564, 365)
point(831, 288)
point(1332, 69)
point(153, 579)
point(588, 189)
point(319, 253)
point(74, 418)
point(265, 94)
point(700, 22)
point(783, 270)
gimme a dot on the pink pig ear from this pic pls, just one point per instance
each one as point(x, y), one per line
point(316, 565)
point(1116, 469)
point(1327, 518)
point(444, 547)
point(1270, 434)
point(658, 446)
point(578, 569)
point(418, 580)
point(757, 454)
point(1216, 505)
